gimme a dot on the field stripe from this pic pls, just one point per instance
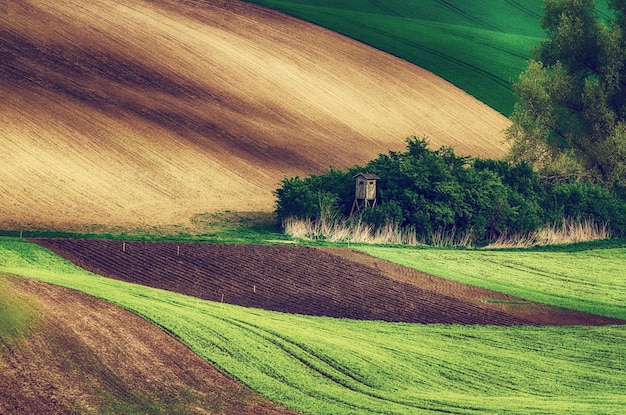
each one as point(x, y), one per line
point(589, 281)
point(429, 368)
point(467, 15)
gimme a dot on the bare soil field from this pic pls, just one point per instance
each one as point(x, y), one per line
point(146, 112)
point(87, 356)
point(304, 280)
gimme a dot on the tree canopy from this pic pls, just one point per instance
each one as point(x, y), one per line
point(437, 192)
point(570, 115)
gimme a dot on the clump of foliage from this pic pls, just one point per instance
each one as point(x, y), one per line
point(570, 115)
point(435, 192)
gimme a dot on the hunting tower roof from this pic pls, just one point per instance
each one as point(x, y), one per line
point(367, 176)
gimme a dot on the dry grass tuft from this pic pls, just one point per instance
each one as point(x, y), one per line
point(567, 232)
point(335, 230)
point(338, 230)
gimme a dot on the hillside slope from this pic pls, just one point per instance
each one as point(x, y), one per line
point(479, 45)
point(149, 111)
point(85, 355)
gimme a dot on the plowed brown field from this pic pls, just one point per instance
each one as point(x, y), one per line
point(305, 280)
point(145, 112)
point(87, 356)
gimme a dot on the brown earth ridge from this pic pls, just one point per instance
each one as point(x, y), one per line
point(331, 282)
point(84, 355)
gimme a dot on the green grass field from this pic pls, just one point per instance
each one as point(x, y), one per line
point(332, 366)
point(480, 46)
point(591, 280)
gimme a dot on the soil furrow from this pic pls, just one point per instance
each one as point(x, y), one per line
point(329, 282)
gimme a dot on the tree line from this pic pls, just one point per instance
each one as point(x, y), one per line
point(434, 191)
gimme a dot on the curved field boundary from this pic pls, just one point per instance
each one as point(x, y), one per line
point(86, 355)
point(412, 30)
point(323, 366)
point(148, 112)
point(305, 280)
point(591, 280)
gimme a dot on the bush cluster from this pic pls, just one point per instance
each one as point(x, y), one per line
point(435, 191)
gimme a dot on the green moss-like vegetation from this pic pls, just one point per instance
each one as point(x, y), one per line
point(17, 315)
point(223, 227)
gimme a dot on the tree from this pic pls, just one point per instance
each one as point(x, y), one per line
point(570, 115)
point(432, 192)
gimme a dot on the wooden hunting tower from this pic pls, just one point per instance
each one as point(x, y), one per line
point(365, 194)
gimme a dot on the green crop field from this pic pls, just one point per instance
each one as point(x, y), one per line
point(332, 366)
point(480, 46)
point(592, 281)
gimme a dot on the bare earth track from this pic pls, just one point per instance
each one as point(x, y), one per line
point(87, 356)
point(304, 280)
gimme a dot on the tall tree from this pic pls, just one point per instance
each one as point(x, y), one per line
point(570, 115)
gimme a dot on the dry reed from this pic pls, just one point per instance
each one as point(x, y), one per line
point(349, 231)
point(335, 230)
point(567, 232)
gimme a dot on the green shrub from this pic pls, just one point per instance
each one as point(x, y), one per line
point(436, 192)
point(584, 200)
point(301, 198)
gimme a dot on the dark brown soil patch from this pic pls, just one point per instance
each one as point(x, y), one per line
point(87, 356)
point(537, 313)
point(304, 280)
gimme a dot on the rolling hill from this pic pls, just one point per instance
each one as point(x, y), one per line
point(85, 355)
point(480, 46)
point(142, 113)
point(321, 365)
